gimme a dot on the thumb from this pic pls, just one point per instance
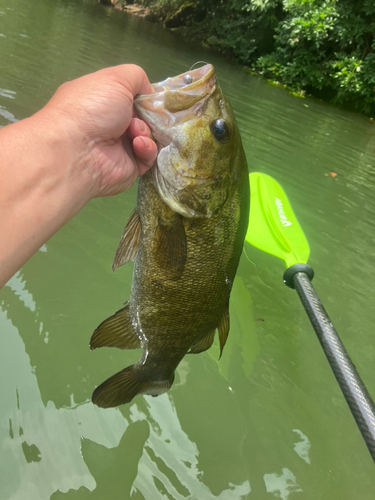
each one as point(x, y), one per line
point(133, 78)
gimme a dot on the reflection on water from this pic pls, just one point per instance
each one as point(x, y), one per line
point(41, 444)
point(282, 485)
point(55, 450)
point(18, 286)
point(170, 459)
point(267, 421)
point(302, 447)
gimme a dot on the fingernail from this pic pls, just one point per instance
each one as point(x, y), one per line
point(142, 126)
point(146, 143)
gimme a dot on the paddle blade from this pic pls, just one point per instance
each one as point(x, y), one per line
point(273, 227)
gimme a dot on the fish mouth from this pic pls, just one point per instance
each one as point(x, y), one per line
point(188, 82)
point(176, 100)
point(194, 84)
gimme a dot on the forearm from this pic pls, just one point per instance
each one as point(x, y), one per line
point(41, 188)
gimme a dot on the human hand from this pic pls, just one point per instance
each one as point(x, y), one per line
point(110, 146)
point(83, 144)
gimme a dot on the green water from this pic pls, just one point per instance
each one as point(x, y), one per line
point(266, 422)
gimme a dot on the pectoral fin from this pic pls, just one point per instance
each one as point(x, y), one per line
point(128, 246)
point(223, 329)
point(203, 344)
point(170, 246)
point(116, 331)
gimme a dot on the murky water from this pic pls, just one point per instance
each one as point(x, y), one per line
point(266, 422)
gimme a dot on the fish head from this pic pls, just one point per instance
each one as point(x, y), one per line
point(197, 136)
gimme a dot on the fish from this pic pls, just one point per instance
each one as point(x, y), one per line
point(185, 236)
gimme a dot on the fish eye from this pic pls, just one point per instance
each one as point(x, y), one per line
point(220, 129)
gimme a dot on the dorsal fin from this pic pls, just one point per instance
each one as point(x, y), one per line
point(128, 245)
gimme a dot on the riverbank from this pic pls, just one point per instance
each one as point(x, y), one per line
point(323, 49)
point(135, 9)
point(132, 8)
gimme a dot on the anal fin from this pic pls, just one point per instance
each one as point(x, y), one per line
point(203, 344)
point(207, 341)
point(116, 331)
point(128, 245)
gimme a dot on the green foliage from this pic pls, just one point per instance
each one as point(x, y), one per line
point(323, 47)
point(242, 29)
point(254, 5)
point(326, 48)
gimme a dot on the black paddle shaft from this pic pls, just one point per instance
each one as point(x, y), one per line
point(354, 390)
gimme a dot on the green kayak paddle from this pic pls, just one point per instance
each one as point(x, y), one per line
point(274, 228)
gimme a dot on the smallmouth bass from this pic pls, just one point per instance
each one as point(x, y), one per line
point(185, 236)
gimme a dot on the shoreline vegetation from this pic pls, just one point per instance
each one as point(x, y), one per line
point(322, 48)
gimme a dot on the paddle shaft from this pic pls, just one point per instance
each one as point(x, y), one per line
point(355, 392)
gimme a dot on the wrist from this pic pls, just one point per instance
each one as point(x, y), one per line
point(65, 157)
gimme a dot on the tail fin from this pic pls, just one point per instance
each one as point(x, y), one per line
point(123, 386)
